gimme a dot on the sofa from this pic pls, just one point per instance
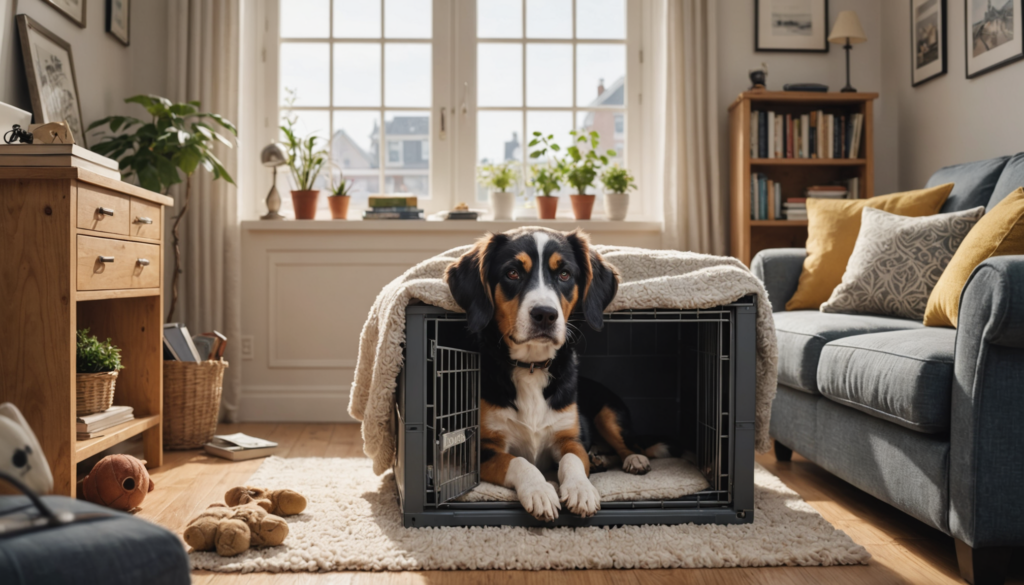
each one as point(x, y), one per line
point(927, 419)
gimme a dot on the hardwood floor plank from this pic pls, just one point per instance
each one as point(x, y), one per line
point(313, 441)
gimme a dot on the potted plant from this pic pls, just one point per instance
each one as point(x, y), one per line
point(499, 178)
point(581, 170)
point(617, 183)
point(547, 178)
point(177, 140)
point(339, 198)
point(98, 363)
point(306, 162)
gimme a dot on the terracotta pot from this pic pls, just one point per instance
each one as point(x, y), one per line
point(304, 203)
point(616, 205)
point(339, 206)
point(582, 205)
point(547, 207)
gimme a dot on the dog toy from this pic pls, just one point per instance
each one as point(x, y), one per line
point(232, 531)
point(280, 502)
point(21, 456)
point(118, 481)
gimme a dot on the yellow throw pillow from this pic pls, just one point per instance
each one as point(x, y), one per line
point(999, 233)
point(832, 228)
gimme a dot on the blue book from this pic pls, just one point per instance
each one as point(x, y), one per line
point(762, 134)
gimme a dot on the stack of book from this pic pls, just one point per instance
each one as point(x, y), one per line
point(827, 191)
point(795, 208)
point(391, 207)
point(182, 347)
point(91, 426)
point(240, 447)
point(811, 135)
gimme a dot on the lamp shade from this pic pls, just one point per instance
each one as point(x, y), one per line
point(273, 155)
point(847, 26)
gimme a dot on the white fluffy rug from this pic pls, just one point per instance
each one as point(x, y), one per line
point(353, 523)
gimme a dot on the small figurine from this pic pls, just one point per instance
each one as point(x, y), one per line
point(16, 134)
point(759, 77)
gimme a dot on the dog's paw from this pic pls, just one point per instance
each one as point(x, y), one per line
point(636, 464)
point(540, 500)
point(580, 497)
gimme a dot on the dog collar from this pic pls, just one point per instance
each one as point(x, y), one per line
point(531, 365)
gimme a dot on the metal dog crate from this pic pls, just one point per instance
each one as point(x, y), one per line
point(685, 374)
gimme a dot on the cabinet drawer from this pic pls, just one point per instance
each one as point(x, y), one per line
point(145, 219)
point(102, 210)
point(111, 264)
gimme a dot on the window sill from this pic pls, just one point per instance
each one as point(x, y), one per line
point(358, 225)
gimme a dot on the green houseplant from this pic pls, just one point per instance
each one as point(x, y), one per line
point(305, 160)
point(617, 183)
point(581, 169)
point(97, 365)
point(547, 177)
point(499, 178)
point(339, 197)
point(176, 141)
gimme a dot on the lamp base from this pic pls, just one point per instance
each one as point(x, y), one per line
point(848, 89)
point(273, 215)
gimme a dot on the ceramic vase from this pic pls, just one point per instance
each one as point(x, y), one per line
point(503, 204)
point(616, 205)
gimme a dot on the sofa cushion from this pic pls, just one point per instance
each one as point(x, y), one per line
point(1011, 179)
point(904, 377)
point(802, 335)
point(973, 182)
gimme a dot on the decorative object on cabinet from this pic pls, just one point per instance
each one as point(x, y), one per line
point(993, 36)
point(98, 363)
point(759, 77)
point(273, 156)
point(847, 30)
point(51, 75)
point(786, 26)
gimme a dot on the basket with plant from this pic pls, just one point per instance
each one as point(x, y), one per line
point(98, 363)
point(339, 197)
point(547, 176)
point(618, 182)
point(306, 161)
point(499, 178)
point(582, 168)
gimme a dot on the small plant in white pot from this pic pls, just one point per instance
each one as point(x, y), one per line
point(499, 179)
point(617, 183)
point(581, 169)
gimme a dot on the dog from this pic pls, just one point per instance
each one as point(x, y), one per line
point(518, 289)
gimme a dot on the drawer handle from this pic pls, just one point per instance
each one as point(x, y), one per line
point(143, 262)
point(105, 211)
point(106, 259)
point(144, 220)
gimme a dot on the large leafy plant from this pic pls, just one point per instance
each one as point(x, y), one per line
point(175, 142)
point(95, 356)
point(582, 166)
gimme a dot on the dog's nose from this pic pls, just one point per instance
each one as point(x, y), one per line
point(544, 315)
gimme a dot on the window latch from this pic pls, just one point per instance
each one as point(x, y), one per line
point(444, 132)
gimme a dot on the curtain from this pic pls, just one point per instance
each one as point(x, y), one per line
point(686, 95)
point(203, 64)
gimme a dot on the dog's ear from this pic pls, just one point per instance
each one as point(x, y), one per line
point(600, 280)
point(468, 282)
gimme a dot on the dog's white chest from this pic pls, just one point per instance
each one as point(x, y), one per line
point(529, 429)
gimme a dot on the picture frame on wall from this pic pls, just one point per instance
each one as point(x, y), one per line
point(927, 40)
point(799, 26)
point(74, 10)
point(118, 22)
point(994, 36)
point(52, 85)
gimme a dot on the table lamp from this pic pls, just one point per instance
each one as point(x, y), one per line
point(273, 155)
point(847, 30)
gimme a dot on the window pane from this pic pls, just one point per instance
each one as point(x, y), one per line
point(610, 126)
point(600, 19)
point(498, 140)
point(406, 161)
point(549, 74)
point(305, 19)
point(549, 19)
point(407, 72)
point(303, 69)
point(354, 152)
point(499, 70)
point(357, 74)
point(600, 75)
point(408, 19)
point(499, 19)
point(357, 18)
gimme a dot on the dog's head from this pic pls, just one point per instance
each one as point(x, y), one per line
point(529, 280)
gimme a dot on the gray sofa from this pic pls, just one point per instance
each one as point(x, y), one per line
point(930, 420)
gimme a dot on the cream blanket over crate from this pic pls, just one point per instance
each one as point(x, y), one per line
point(664, 279)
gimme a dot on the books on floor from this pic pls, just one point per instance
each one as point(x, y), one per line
point(91, 426)
point(241, 447)
point(815, 134)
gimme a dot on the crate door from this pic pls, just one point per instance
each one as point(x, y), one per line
point(456, 422)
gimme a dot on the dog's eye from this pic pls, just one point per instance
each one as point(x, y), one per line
point(563, 275)
point(512, 275)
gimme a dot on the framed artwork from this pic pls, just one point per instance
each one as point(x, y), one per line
point(791, 25)
point(73, 9)
point(51, 77)
point(993, 34)
point(117, 19)
point(927, 40)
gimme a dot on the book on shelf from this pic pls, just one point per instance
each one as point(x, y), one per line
point(241, 447)
point(765, 197)
point(814, 134)
point(392, 201)
point(90, 425)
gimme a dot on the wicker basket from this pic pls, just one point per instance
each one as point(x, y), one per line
point(94, 392)
point(191, 402)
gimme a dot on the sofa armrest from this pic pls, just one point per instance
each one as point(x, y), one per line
point(779, 269)
point(986, 467)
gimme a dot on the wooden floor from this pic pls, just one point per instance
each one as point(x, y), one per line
point(904, 550)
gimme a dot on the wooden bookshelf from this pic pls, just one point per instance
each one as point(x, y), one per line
point(748, 237)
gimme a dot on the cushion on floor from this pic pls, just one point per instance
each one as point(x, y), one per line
point(802, 334)
point(904, 377)
point(972, 182)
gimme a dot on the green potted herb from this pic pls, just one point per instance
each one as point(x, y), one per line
point(499, 178)
point(98, 363)
point(339, 197)
point(581, 169)
point(305, 160)
point(547, 177)
point(617, 183)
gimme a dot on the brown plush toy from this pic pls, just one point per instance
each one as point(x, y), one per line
point(118, 481)
point(280, 502)
point(232, 531)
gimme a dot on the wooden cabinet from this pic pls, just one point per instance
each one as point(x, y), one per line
point(74, 255)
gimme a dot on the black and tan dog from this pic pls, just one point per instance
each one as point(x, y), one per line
point(518, 289)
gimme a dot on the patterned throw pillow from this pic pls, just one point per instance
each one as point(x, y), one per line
point(897, 260)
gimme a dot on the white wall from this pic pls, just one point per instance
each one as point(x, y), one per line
point(950, 119)
point(106, 71)
point(736, 57)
